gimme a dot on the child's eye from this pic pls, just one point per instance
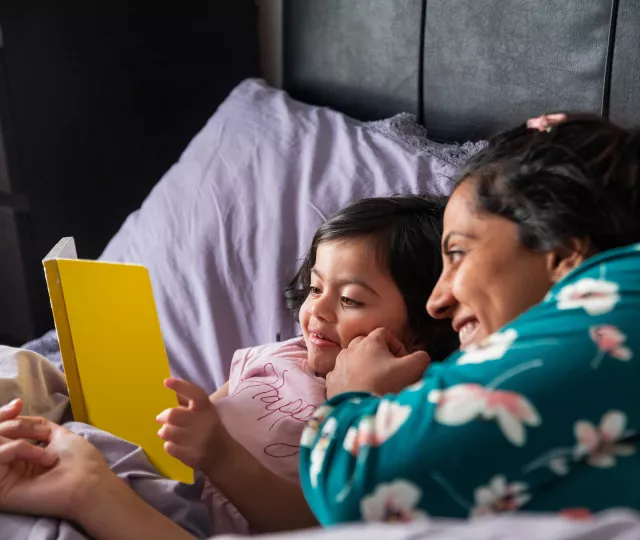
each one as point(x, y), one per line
point(314, 291)
point(349, 302)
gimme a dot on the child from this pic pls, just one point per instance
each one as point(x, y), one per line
point(371, 265)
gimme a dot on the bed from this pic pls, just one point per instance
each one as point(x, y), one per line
point(379, 97)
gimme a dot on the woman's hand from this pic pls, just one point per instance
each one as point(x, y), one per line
point(378, 364)
point(193, 432)
point(54, 480)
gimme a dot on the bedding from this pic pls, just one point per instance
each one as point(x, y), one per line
point(222, 232)
point(610, 525)
point(182, 504)
point(29, 376)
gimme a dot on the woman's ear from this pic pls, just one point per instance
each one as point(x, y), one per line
point(563, 260)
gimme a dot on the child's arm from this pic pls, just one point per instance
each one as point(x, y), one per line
point(267, 501)
point(195, 435)
point(221, 392)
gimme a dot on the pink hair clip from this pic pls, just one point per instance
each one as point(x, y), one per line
point(546, 121)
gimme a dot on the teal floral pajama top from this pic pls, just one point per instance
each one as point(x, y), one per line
point(541, 416)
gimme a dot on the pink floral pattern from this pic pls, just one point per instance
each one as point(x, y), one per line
point(499, 496)
point(610, 341)
point(376, 429)
point(465, 402)
point(595, 296)
point(602, 444)
point(393, 502)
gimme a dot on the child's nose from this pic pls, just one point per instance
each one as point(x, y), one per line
point(322, 309)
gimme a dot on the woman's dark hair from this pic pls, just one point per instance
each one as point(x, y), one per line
point(580, 179)
point(406, 231)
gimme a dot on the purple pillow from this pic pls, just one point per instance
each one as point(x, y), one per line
point(223, 231)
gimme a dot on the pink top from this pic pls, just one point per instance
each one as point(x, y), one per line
point(272, 394)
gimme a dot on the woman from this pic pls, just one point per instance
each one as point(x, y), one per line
point(539, 220)
point(539, 409)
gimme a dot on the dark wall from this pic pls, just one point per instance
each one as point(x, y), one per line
point(100, 98)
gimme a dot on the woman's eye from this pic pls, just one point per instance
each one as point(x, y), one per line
point(349, 302)
point(454, 255)
point(315, 291)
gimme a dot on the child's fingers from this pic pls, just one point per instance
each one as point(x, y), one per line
point(197, 396)
point(175, 450)
point(163, 417)
point(177, 416)
point(174, 434)
point(10, 410)
point(181, 453)
point(182, 401)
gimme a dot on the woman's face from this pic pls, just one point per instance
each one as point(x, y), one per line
point(489, 276)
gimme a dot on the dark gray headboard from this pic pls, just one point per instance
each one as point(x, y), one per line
point(467, 68)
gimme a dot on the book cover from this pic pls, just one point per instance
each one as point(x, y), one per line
point(112, 350)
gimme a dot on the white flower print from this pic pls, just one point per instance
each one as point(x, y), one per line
point(319, 451)
point(492, 347)
point(595, 296)
point(601, 444)
point(610, 341)
point(415, 386)
point(376, 429)
point(498, 496)
point(311, 429)
point(393, 502)
point(458, 404)
point(465, 402)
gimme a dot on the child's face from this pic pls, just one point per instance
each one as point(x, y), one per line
point(350, 296)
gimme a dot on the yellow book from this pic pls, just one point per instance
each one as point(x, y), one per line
point(112, 350)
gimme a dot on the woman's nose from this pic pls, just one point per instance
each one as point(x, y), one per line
point(441, 303)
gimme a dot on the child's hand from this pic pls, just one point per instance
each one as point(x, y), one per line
point(193, 431)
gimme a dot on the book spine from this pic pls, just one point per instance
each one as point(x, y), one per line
point(65, 339)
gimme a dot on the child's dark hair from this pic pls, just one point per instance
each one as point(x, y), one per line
point(406, 230)
point(580, 179)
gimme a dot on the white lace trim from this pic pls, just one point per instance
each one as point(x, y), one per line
point(405, 129)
